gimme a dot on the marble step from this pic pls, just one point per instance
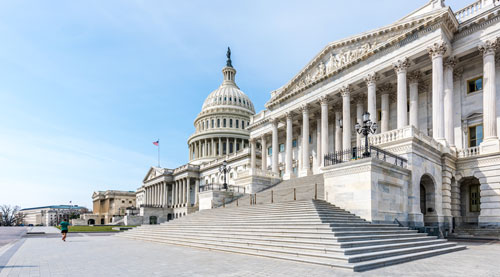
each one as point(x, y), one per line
point(305, 226)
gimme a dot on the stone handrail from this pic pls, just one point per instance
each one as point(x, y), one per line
point(469, 152)
point(241, 152)
point(403, 133)
point(258, 172)
point(474, 9)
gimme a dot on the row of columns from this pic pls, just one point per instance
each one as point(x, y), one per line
point(171, 195)
point(213, 147)
point(442, 112)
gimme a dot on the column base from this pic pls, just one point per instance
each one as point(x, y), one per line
point(490, 145)
point(287, 176)
point(305, 172)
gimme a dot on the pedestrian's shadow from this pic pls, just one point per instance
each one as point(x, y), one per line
point(16, 266)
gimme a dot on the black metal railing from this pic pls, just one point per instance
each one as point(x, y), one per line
point(357, 153)
point(220, 187)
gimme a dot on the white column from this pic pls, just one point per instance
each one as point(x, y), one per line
point(359, 119)
point(346, 117)
point(384, 105)
point(324, 127)
point(490, 142)
point(338, 129)
point(174, 195)
point(162, 193)
point(319, 158)
point(371, 81)
point(166, 195)
point(146, 193)
point(413, 80)
point(401, 67)
point(252, 154)
point(306, 169)
point(275, 149)
point(227, 146)
point(263, 143)
point(188, 194)
point(220, 147)
point(197, 189)
point(436, 52)
point(183, 185)
point(449, 132)
point(288, 146)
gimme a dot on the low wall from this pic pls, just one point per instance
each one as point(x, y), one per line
point(370, 188)
point(214, 198)
point(133, 220)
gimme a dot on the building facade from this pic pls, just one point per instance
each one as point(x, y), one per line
point(110, 206)
point(50, 215)
point(429, 83)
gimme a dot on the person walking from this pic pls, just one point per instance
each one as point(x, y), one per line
point(64, 228)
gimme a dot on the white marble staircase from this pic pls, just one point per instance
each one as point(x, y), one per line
point(310, 231)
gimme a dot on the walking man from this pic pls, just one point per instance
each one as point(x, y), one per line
point(64, 228)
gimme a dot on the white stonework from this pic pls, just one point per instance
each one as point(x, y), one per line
point(428, 80)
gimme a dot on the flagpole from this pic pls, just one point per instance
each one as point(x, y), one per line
point(158, 152)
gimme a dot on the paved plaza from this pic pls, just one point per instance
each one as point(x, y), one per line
point(107, 255)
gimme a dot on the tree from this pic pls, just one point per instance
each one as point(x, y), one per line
point(10, 216)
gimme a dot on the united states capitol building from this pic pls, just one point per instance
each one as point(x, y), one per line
point(426, 85)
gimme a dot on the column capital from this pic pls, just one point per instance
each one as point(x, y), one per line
point(304, 108)
point(437, 49)
point(252, 140)
point(414, 77)
point(457, 73)
point(371, 78)
point(385, 88)
point(400, 66)
point(450, 62)
point(488, 47)
point(323, 100)
point(345, 91)
point(289, 115)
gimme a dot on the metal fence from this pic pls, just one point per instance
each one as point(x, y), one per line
point(357, 153)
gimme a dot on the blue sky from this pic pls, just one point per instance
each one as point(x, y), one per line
point(87, 86)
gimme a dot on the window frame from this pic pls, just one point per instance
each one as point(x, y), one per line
point(469, 133)
point(474, 80)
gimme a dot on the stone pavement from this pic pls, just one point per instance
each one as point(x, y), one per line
point(91, 255)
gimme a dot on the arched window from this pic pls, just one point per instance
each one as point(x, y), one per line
point(208, 126)
point(242, 124)
point(230, 123)
point(224, 123)
point(212, 123)
point(237, 121)
point(203, 125)
point(218, 122)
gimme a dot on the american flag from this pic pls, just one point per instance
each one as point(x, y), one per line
point(157, 143)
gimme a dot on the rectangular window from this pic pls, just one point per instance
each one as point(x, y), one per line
point(230, 123)
point(474, 198)
point(237, 147)
point(475, 84)
point(212, 123)
point(295, 170)
point(230, 147)
point(269, 151)
point(475, 135)
point(218, 123)
point(294, 143)
point(237, 125)
point(242, 124)
point(282, 147)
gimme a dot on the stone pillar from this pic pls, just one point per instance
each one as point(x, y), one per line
point(359, 119)
point(197, 190)
point(263, 143)
point(436, 52)
point(371, 81)
point(146, 195)
point(176, 192)
point(338, 129)
point(346, 117)
point(288, 146)
point(306, 169)
point(413, 80)
point(324, 128)
point(227, 146)
point(275, 149)
point(252, 154)
point(167, 204)
point(319, 158)
point(449, 132)
point(490, 142)
point(188, 194)
point(184, 191)
point(385, 91)
point(220, 147)
point(401, 67)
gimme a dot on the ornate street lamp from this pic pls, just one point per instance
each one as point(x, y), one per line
point(367, 128)
point(224, 169)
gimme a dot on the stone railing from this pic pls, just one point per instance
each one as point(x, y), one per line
point(258, 172)
point(241, 152)
point(185, 167)
point(475, 9)
point(468, 152)
point(403, 133)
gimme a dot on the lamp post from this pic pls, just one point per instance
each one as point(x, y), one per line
point(367, 128)
point(224, 169)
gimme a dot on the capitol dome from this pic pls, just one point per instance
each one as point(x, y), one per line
point(221, 126)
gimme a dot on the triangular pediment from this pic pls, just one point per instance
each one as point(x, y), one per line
point(340, 55)
point(153, 172)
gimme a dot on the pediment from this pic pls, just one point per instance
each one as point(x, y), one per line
point(152, 173)
point(340, 55)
